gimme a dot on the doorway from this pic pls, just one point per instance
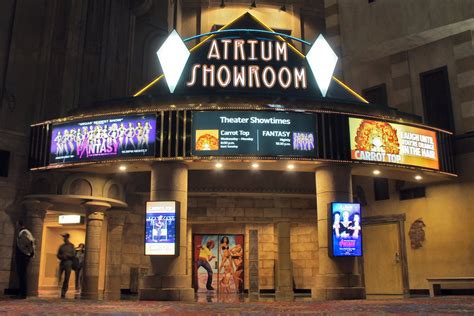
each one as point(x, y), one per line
point(218, 263)
point(385, 264)
point(49, 279)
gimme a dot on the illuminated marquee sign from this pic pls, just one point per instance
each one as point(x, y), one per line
point(253, 133)
point(247, 56)
point(346, 230)
point(381, 141)
point(273, 71)
point(105, 138)
point(162, 228)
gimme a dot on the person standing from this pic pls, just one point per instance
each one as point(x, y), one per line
point(66, 254)
point(79, 264)
point(25, 250)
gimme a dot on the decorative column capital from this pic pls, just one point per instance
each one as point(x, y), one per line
point(36, 208)
point(95, 209)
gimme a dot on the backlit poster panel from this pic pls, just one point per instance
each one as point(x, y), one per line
point(105, 138)
point(381, 141)
point(162, 228)
point(346, 236)
point(253, 133)
point(218, 263)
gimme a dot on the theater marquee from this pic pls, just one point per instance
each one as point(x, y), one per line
point(105, 138)
point(253, 133)
point(255, 73)
point(381, 141)
point(246, 56)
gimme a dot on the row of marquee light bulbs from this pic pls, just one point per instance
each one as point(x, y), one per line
point(290, 166)
point(220, 165)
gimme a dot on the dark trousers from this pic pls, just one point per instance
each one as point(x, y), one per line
point(205, 264)
point(66, 266)
point(22, 262)
point(79, 274)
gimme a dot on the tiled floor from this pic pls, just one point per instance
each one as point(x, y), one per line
point(265, 306)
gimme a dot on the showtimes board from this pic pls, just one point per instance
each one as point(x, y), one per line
point(381, 141)
point(162, 228)
point(253, 133)
point(104, 138)
point(346, 230)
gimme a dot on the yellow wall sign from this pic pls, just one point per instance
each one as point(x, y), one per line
point(380, 141)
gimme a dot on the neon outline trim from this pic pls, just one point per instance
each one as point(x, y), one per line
point(149, 85)
point(269, 31)
point(248, 31)
point(350, 90)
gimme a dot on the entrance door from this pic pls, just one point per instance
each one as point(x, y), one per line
point(218, 263)
point(382, 260)
point(49, 281)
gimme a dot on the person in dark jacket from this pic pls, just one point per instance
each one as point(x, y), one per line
point(25, 250)
point(79, 265)
point(66, 254)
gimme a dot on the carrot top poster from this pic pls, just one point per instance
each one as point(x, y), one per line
point(393, 143)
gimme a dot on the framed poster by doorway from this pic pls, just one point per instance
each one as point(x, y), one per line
point(218, 263)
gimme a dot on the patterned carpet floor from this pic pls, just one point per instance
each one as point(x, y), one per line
point(447, 305)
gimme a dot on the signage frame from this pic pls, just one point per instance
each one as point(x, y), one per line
point(391, 122)
point(312, 153)
point(331, 234)
point(177, 208)
point(64, 216)
point(153, 138)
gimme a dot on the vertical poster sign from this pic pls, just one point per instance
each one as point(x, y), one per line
point(346, 236)
point(393, 143)
point(162, 228)
point(218, 263)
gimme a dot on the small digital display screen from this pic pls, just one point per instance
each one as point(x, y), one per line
point(106, 138)
point(346, 236)
point(161, 228)
point(253, 133)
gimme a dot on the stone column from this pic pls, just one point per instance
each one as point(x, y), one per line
point(283, 271)
point(36, 211)
point(170, 279)
point(254, 289)
point(113, 269)
point(337, 277)
point(95, 218)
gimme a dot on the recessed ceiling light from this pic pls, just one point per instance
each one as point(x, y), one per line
point(291, 166)
point(255, 165)
point(218, 165)
point(418, 177)
point(122, 168)
point(376, 172)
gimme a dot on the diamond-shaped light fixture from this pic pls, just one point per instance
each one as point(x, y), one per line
point(322, 61)
point(173, 55)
